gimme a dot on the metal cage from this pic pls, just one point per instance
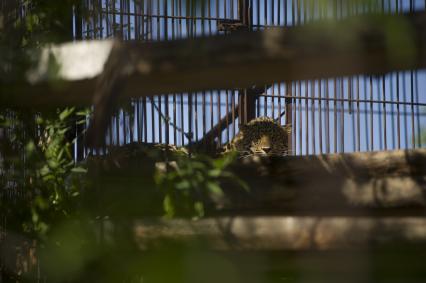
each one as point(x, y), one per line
point(343, 114)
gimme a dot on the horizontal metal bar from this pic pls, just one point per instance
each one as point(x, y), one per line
point(345, 99)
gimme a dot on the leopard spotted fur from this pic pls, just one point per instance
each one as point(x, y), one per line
point(261, 136)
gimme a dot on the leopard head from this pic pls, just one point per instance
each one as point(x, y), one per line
point(262, 136)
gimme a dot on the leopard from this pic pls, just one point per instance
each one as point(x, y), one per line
point(261, 136)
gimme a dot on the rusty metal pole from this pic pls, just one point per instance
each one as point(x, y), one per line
point(248, 96)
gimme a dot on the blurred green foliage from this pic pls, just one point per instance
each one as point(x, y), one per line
point(37, 165)
point(189, 181)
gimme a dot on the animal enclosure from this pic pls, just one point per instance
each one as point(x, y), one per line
point(340, 114)
point(352, 204)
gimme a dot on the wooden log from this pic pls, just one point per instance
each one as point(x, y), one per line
point(369, 44)
point(389, 183)
point(335, 183)
point(285, 233)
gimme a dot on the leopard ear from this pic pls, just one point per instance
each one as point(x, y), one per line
point(287, 128)
point(243, 127)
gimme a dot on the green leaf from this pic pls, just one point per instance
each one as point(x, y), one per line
point(215, 173)
point(30, 148)
point(66, 113)
point(199, 208)
point(183, 185)
point(214, 188)
point(168, 206)
point(79, 170)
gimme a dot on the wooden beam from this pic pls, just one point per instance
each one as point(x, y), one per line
point(371, 44)
point(285, 233)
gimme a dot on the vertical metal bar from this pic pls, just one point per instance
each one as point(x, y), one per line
point(307, 117)
point(300, 117)
point(107, 14)
point(320, 115)
point(273, 101)
point(258, 13)
point(182, 120)
point(180, 19)
point(351, 109)
point(279, 12)
point(114, 25)
point(289, 116)
point(265, 102)
point(167, 124)
point(136, 20)
point(129, 23)
point(190, 118)
point(299, 13)
point(413, 134)
point(258, 107)
point(122, 22)
point(384, 113)
point(173, 3)
point(138, 118)
point(196, 116)
point(124, 127)
point(145, 119)
point(232, 9)
point(342, 116)
point(160, 119)
point(327, 117)
point(240, 107)
point(211, 113)
point(144, 19)
point(219, 134)
point(117, 124)
point(279, 99)
point(398, 111)
point(157, 10)
point(233, 112)
point(285, 7)
point(405, 112)
point(358, 116)
point(174, 120)
point(166, 20)
point(203, 17)
point(152, 119)
point(419, 138)
point(204, 112)
point(227, 116)
point(246, 108)
point(313, 120)
point(101, 28)
point(193, 20)
point(210, 15)
point(335, 115)
point(294, 120)
point(265, 10)
point(371, 115)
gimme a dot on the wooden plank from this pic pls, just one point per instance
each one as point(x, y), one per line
point(361, 45)
point(285, 233)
